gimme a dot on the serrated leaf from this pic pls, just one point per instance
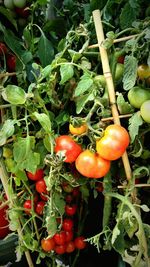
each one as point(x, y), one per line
point(66, 73)
point(117, 240)
point(134, 123)
point(130, 72)
point(45, 50)
point(123, 106)
point(44, 120)
point(82, 100)
point(84, 84)
point(127, 16)
point(14, 95)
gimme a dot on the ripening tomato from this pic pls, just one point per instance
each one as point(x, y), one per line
point(78, 130)
point(67, 187)
point(40, 207)
point(3, 49)
point(11, 62)
point(80, 242)
point(91, 165)
point(60, 238)
point(4, 223)
point(114, 142)
point(60, 249)
point(70, 247)
point(67, 224)
point(120, 59)
point(70, 209)
point(69, 146)
point(38, 175)
point(48, 244)
point(40, 186)
point(143, 71)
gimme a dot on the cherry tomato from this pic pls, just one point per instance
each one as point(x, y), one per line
point(91, 165)
point(60, 249)
point(143, 71)
point(69, 235)
point(137, 96)
point(11, 62)
point(69, 198)
point(99, 187)
point(119, 72)
point(4, 223)
point(145, 111)
point(27, 206)
point(40, 186)
point(22, 12)
point(76, 191)
point(67, 187)
point(78, 130)
point(19, 3)
point(70, 247)
point(3, 49)
point(38, 175)
point(67, 224)
point(114, 142)
point(40, 207)
point(70, 209)
point(69, 146)
point(80, 242)
point(9, 4)
point(100, 80)
point(60, 238)
point(48, 244)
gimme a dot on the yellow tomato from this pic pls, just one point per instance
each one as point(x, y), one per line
point(78, 130)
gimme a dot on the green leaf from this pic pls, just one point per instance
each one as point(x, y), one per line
point(82, 100)
point(9, 15)
point(66, 72)
point(127, 16)
point(130, 72)
point(14, 95)
point(44, 120)
point(84, 84)
point(75, 56)
point(47, 143)
point(141, 172)
point(123, 106)
point(45, 50)
point(62, 118)
point(6, 131)
point(118, 241)
point(59, 203)
point(134, 123)
point(46, 71)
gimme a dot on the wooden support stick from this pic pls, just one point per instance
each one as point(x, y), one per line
point(120, 116)
point(3, 75)
point(109, 82)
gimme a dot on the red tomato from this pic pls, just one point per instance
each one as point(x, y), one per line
point(70, 247)
point(48, 244)
point(22, 12)
point(60, 249)
point(121, 59)
point(60, 238)
point(38, 175)
point(27, 206)
point(69, 146)
point(41, 186)
point(3, 49)
point(70, 209)
point(99, 187)
point(76, 191)
point(11, 62)
point(91, 165)
point(4, 223)
point(40, 207)
point(114, 142)
point(69, 235)
point(69, 198)
point(67, 224)
point(79, 242)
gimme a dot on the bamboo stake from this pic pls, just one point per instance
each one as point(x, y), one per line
point(122, 39)
point(4, 180)
point(109, 82)
point(120, 116)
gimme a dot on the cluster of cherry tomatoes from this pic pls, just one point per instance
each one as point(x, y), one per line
point(110, 146)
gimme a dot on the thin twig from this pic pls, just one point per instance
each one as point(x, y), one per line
point(116, 40)
point(4, 204)
point(120, 116)
point(3, 75)
point(136, 185)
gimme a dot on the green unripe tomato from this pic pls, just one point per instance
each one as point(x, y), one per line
point(145, 111)
point(137, 96)
point(100, 80)
point(119, 72)
point(19, 3)
point(9, 4)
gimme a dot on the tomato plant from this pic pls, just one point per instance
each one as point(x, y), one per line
point(114, 142)
point(38, 175)
point(91, 165)
point(71, 149)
